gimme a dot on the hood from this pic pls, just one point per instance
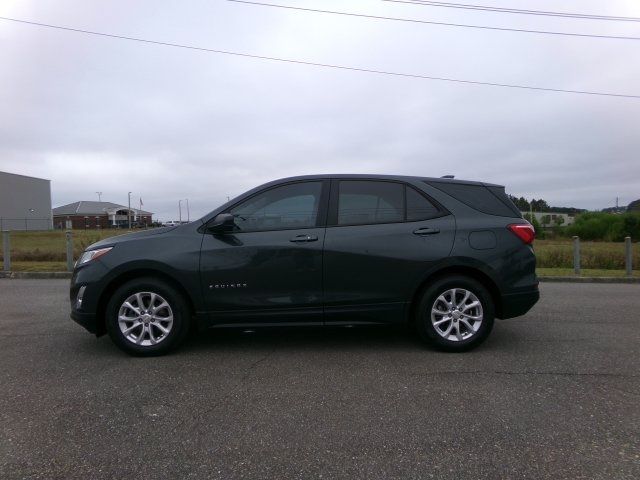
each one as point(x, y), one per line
point(130, 236)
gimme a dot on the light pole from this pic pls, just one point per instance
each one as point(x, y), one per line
point(179, 211)
point(26, 226)
point(531, 211)
point(129, 211)
point(188, 217)
point(99, 196)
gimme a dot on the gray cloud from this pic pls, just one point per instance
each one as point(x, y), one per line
point(115, 116)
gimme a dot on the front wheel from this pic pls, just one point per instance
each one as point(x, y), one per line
point(455, 313)
point(147, 317)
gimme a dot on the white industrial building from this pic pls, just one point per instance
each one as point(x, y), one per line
point(25, 202)
point(550, 219)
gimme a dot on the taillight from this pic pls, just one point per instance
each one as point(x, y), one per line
point(524, 231)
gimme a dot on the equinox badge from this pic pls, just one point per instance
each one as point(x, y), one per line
point(228, 285)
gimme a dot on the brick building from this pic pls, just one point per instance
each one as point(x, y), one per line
point(87, 214)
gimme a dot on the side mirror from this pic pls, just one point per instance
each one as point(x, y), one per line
point(222, 223)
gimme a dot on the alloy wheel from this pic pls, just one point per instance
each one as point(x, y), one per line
point(145, 318)
point(456, 314)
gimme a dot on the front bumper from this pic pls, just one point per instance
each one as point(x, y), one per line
point(87, 320)
point(517, 304)
point(89, 279)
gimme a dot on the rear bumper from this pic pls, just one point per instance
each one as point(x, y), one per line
point(516, 304)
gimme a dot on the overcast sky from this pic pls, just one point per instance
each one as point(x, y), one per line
point(98, 114)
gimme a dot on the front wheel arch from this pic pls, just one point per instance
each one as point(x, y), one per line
point(123, 278)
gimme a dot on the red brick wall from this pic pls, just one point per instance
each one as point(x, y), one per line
point(79, 222)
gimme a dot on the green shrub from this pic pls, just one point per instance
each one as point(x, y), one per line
point(606, 226)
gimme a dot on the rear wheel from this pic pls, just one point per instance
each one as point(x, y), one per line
point(147, 317)
point(455, 313)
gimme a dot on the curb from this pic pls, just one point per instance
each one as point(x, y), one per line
point(591, 279)
point(38, 275)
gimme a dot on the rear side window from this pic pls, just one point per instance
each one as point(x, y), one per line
point(362, 202)
point(491, 200)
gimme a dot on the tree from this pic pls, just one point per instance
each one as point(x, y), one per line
point(559, 220)
point(634, 206)
point(521, 203)
point(630, 226)
point(540, 205)
point(534, 222)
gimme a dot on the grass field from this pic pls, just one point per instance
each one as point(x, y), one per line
point(585, 272)
point(593, 255)
point(39, 266)
point(45, 251)
point(50, 246)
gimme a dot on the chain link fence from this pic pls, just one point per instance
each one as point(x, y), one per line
point(57, 249)
point(48, 250)
point(25, 224)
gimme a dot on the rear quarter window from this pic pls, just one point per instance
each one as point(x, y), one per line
point(490, 200)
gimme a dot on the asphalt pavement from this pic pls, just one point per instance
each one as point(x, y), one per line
point(554, 394)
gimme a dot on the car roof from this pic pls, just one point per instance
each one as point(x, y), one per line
point(376, 176)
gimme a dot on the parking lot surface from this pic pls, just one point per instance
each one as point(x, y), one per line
point(554, 394)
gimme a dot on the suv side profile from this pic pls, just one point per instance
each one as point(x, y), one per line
point(444, 255)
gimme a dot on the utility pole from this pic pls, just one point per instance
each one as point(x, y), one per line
point(188, 216)
point(129, 211)
point(99, 196)
point(179, 211)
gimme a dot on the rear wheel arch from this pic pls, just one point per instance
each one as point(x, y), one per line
point(467, 271)
point(455, 313)
point(124, 277)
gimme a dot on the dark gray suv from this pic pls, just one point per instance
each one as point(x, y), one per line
point(444, 255)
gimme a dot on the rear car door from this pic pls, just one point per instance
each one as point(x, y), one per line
point(381, 238)
point(269, 269)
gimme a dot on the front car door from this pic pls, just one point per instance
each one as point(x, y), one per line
point(382, 237)
point(269, 269)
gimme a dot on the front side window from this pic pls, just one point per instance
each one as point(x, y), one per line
point(286, 207)
point(362, 202)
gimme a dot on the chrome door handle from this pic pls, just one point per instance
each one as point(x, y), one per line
point(426, 231)
point(304, 238)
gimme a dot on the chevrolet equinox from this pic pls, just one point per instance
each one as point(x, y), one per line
point(443, 255)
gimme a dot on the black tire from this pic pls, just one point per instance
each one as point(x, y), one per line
point(177, 308)
point(444, 285)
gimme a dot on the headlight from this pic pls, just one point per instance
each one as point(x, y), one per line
point(92, 255)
